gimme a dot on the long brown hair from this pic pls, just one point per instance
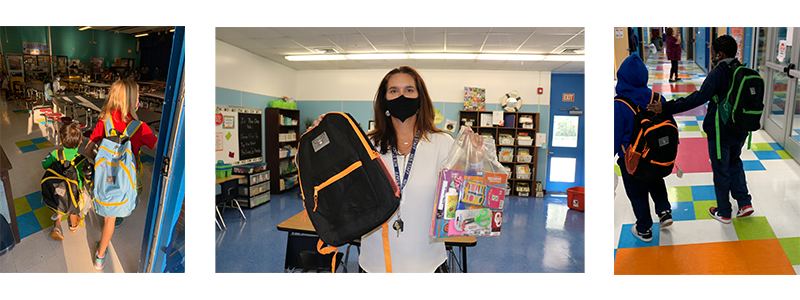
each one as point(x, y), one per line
point(384, 134)
point(121, 97)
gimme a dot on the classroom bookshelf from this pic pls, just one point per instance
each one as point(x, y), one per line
point(514, 153)
point(282, 136)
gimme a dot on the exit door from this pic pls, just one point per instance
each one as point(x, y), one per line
point(565, 159)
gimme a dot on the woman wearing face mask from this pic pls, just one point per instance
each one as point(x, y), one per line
point(413, 149)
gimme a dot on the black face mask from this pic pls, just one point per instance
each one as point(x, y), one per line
point(402, 107)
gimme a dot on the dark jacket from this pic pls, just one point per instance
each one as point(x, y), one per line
point(632, 84)
point(716, 83)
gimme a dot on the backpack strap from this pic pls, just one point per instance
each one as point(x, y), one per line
point(627, 102)
point(109, 125)
point(328, 250)
point(387, 254)
point(132, 127)
point(60, 155)
point(656, 97)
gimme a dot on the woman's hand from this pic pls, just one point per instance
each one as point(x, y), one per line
point(316, 122)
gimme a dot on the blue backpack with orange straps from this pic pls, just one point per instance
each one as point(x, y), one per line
point(115, 174)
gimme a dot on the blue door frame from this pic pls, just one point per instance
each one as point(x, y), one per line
point(560, 84)
point(162, 242)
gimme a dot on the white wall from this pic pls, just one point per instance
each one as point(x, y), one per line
point(237, 69)
point(443, 85)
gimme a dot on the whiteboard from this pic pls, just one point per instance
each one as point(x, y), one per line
point(227, 135)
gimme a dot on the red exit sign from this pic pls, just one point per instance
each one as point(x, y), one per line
point(568, 97)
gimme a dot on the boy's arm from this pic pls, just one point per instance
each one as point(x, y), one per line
point(47, 161)
point(89, 150)
point(617, 128)
point(697, 98)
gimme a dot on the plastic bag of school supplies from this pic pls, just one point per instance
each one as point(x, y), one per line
point(470, 190)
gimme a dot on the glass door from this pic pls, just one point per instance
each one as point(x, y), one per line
point(780, 77)
point(793, 141)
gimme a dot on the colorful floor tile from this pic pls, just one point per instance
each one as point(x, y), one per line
point(32, 214)
point(34, 144)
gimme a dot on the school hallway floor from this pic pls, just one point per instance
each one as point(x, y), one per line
point(767, 242)
point(539, 235)
point(27, 140)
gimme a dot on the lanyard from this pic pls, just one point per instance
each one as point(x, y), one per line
point(408, 165)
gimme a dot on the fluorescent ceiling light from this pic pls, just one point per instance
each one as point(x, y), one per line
point(377, 56)
point(172, 30)
point(84, 28)
point(446, 56)
point(140, 35)
point(523, 57)
point(565, 58)
point(314, 57)
point(441, 56)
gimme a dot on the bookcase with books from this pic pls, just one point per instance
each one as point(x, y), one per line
point(281, 135)
point(514, 141)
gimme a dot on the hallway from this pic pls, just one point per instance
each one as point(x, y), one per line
point(767, 242)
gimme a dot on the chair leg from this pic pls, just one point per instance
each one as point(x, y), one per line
point(240, 209)
point(220, 218)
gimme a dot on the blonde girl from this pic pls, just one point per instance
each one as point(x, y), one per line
point(120, 107)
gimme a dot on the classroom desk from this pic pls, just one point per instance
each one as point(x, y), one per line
point(5, 165)
point(296, 225)
point(89, 103)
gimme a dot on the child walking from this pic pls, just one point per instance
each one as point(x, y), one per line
point(70, 137)
point(120, 108)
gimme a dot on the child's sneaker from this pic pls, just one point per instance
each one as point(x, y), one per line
point(665, 218)
point(714, 212)
point(56, 233)
point(745, 211)
point(646, 236)
point(99, 262)
point(118, 222)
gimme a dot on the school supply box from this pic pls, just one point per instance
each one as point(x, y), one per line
point(470, 191)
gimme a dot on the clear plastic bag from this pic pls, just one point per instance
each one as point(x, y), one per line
point(471, 189)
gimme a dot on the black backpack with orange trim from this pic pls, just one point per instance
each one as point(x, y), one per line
point(347, 189)
point(653, 145)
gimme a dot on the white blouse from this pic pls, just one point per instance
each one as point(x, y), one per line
point(411, 251)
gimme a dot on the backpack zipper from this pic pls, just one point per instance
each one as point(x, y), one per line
point(333, 179)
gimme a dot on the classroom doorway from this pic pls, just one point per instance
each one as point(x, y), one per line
point(565, 161)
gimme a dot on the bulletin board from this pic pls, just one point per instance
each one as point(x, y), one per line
point(238, 135)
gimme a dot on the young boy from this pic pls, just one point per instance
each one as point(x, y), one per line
point(632, 84)
point(728, 171)
point(70, 136)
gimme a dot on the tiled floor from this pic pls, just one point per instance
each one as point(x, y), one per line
point(540, 235)
point(26, 142)
point(768, 242)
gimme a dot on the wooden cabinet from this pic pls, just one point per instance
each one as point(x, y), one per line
point(281, 135)
point(513, 128)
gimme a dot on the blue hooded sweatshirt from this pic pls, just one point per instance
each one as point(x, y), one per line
point(632, 84)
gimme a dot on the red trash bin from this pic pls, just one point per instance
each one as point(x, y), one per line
point(575, 197)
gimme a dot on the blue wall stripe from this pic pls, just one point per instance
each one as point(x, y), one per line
point(362, 112)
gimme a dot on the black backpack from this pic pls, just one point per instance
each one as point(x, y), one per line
point(347, 190)
point(741, 109)
point(60, 189)
point(653, 145)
